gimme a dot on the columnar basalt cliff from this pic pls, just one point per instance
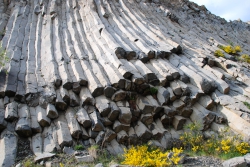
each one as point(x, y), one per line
point(116, 73)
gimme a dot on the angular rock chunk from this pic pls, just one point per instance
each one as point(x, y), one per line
point(63, 132)
point(60, 104)
point(235, 162)
point(99, 138)
point(64, 95)
point(172, 95)
point(147, 119)
point(3, 123)
point(163, 95)
point(74, 99)
point(103, 105)
point(96, 89)
point(86, 98)
point(185, 112)
point(125, 115)
point(50, 141)
point(42, 119)
point(206, 102)
point(155, 104)
point(144, 105)
point(11, 112)
point(109, 135)
point(35, 126)
point(142, 131)
point(23, 127)
point(197, 79)
point(96, 123)
point(114, 113)
point(119, 96)
point(8, 145)
point(149, 76)
point(36, 144)
point(202, 116)
point(118, 126)
point(83, 118)
point(132, 137)
point(51, 111)
point(178, 122)
point(122, 137)
point(176, 88)
point(73, 125)
point(178, 104)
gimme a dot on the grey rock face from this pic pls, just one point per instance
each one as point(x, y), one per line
point(116, 73)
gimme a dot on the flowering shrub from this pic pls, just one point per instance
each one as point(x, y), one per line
point(245, 58)
point(144, 156)
point(219, 53)
point(224, 146)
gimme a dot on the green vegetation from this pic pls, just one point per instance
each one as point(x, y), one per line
point(245, 58)
point(28, 162)
point(223, 146)
point(3, 56)
point(232, 50)
point(153, 90)
point(219, 53)
point(247, 104)
point(79, 147)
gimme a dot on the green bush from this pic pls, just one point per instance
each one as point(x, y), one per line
point(153, 90)
point(219, 53)
point(3, 56)
point(79, 147)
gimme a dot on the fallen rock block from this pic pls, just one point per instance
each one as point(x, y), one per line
point(143, 132)
point(83, 118)
point(178, 122)
point(235, 162)
point(43, 156)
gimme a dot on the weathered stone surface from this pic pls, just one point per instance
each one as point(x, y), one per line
point(144, 105)
point(11, 112)
point(114, 113)
point(103, 105)
point(142, 131)
point(73, 125)
point(60, 104)
point(122, 137)
point(119, 96)
point(83, 118)
point(163, 95)
point(109, 135)
point(118, 126)
point(125, 115)
point(8, 145)
point(104, 57)
point(96, 123)
point(86, 98)
point(178, 122)
point(63, 132)
point(51, 111)
point(206, 102)
point(235, 162)
point(85, 158)
point(42, 119)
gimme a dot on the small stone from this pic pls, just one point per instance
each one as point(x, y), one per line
point(85, 158)
point(19, 165)
point(68, 150)
point(99, 165)
point(43, 156)
point(235, 162)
